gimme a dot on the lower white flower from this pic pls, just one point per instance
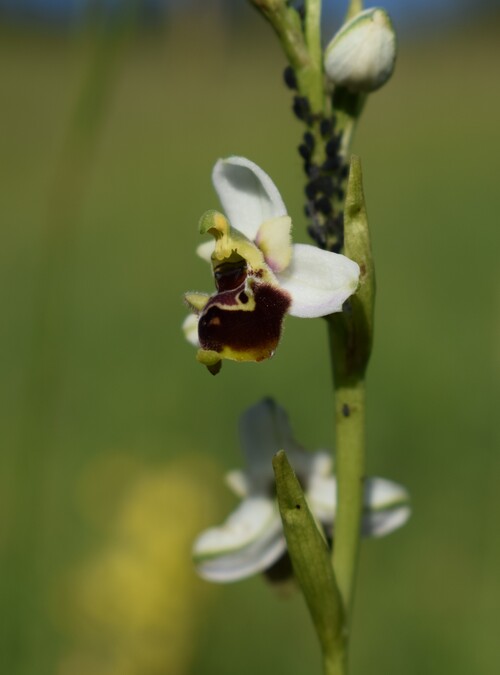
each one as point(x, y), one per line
point(251, 540)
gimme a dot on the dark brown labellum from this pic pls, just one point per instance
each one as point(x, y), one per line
point(249, 335)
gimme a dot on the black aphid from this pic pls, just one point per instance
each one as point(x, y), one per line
point(290, 78)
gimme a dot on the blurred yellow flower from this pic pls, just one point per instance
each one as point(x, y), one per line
point(133, 605)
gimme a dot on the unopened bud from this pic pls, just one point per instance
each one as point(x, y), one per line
point(362, 53)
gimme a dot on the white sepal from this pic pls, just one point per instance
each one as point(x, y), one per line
point(249, 541)
point(190, 328)
point(247, 194)
point(319, 282)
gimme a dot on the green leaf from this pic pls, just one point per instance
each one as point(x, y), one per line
point(311, 562)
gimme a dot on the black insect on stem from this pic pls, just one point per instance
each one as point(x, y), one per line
point(304, 151)
point(323, 205)
point(324, 167)
point(309, 140)
point(326, 127)
point(302, 109)
point(332, 146)
point(289, 77)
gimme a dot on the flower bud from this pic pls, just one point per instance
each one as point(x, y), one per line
point(362, 53)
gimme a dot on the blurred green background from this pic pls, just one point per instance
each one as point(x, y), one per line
point(114, 440)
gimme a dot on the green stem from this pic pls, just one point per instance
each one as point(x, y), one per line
point(351, 338)
point(286, 23)
point(351, 331)
point(355, 7)
point(335, 663)
point(350, 469)
point(311, 79)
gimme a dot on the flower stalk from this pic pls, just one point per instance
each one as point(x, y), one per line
point(351, 338)
point(350, 332)
point(301, 42)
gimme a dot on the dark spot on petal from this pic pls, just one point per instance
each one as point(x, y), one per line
point(346, 411)
point(243, 297)
point(297, 506)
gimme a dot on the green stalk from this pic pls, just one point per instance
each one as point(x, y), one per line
point(302, 46)
point(350, 469)
point(355, 7)
point(313, 87)
point(351, 337)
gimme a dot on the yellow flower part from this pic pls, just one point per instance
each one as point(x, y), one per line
point(134, 603)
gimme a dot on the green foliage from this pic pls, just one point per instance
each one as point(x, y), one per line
point(127, 378)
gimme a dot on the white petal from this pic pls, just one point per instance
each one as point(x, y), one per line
point(205, 250)
point(238, 483)
point(310, 467)
point(381, 493)
point(247, 194)
point(387, 507)
point(322, 498)
point(264, 429)
point(380, 523)
point(190, 328)
point(250, 541)
point(318, 281)
point(386, 504)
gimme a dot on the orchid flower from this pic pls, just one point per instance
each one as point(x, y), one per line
point(251, 540)
point(260, 276)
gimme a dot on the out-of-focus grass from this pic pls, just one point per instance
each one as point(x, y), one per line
point(130, 387)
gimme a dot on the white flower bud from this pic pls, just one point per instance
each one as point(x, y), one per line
point(362, 53)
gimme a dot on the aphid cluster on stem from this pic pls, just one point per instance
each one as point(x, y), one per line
point(325, 169)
